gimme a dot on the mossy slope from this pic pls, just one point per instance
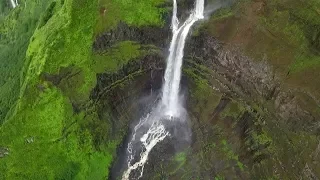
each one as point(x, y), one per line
point(49, 131)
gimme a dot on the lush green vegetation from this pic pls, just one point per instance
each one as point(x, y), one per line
point(298, 23)
point(134, 13)
point(45, 137)
point(286, 32)
point(115, 57)
point(49, 70)
point(39, 149)
point(4, 9)
point(15, 32)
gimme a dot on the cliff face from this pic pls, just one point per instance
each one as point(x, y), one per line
point(79, 74)
point(264, 115)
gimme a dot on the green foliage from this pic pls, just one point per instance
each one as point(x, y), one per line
point(48, 14)
point(219, 177)
point(115, 57)
point(64, 41)
point(46, 139)
point(179, 157)
point(297, 23)
point(4, 9)
point(260, 143)
point(179, 161)
point(305, 61)
point(16, 30)
point(133, 12)
point(51, 153)
point(222, 13)
point(43, 140)
point(231, 155)
point(279, 21)
point(144, 13)
point(233, 109)
point(42, 122)
point(202, 90)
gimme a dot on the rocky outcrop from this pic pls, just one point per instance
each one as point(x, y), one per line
point(252, 81)
point(146, 35)
point(245, 122)
point(268, 108)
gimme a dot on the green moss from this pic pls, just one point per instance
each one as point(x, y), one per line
point(48, 14)
point(16, 29)
point(219, 177)
point(231, 155)
point(134, 13)
point(260, 143)
point(180, 160)
point(298, 26)
point(233, 109)
point(43, 124)
point(222, 13)
point(4, 9)
point(202, 92)
point(68, 154)
point(65, 40)
point(116, 57)
point(304, 61)
point(285, 33)
point(180, 157)
point(43, 136)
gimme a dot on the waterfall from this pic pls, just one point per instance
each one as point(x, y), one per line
point(169, 107)
point(170, 96)
point(14, 3)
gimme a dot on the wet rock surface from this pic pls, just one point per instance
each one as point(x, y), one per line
point(145, 35)
point(245, 122)
point(251, 81)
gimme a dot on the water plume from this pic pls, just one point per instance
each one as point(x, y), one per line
point(151, 129)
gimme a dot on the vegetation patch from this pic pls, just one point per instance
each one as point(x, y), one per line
point(134, 13)
point(49, 69)
point(116, 57)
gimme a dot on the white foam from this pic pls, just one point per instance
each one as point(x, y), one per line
point(170, 107)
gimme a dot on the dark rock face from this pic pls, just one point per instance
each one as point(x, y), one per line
point(274, 107)
point(146, 35)
point(245, 122)
point(251, 81)
point(242, 124)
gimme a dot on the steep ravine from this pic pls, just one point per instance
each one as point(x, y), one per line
point(245, 122)
point(252, 101)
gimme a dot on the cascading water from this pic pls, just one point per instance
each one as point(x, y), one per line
point(14, 3)
point(170, 96)
point(169, 108)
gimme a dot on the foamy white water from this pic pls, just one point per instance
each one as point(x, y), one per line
point(155, 134)
point(170, 96)
point(169, 107)
point(14, 3)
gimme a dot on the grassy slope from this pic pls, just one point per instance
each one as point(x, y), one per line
point(15, 32)
point(46, 139)
point(4, 9)
point(285, 33)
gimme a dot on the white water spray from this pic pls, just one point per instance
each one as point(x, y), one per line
point(14, 3)
point(170, 96)
point(169, 106)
